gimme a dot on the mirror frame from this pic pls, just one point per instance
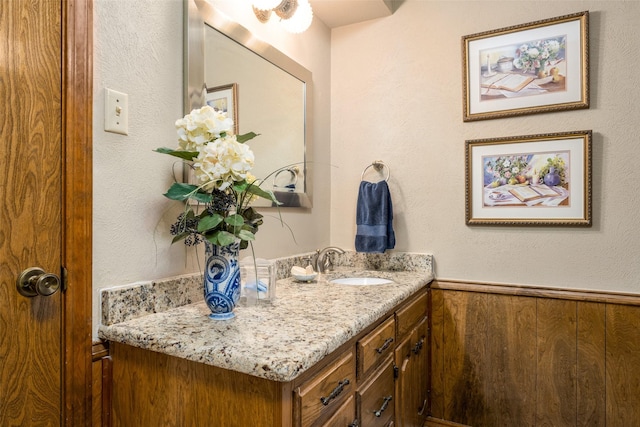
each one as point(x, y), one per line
point(199, 14)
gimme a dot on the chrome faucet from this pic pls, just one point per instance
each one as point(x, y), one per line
point(323, 262)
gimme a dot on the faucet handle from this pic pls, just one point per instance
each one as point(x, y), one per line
point(316, 261)
point(323, 261)
point(328, 263)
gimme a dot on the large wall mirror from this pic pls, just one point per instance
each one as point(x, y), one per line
point(262, 88)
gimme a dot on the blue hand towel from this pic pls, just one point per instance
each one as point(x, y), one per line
point(374, 216)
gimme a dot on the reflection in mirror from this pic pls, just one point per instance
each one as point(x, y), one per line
point(268, 92)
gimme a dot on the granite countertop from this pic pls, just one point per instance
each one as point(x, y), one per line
point(277, 341)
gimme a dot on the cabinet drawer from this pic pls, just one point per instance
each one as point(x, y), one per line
point(322, 395)
point(345, 416)
point(409, 315)
point(376, 346)
point(376, 398)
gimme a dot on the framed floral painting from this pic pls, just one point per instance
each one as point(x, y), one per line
point(531, 68)
point(529, 180)
point(225, 99)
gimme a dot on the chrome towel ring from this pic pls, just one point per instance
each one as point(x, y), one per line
point(378, 165)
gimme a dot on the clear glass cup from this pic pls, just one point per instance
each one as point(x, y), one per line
point(258, 279)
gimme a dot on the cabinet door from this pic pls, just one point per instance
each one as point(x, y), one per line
point(376, 398)
point(411, 386)
point(422, 380)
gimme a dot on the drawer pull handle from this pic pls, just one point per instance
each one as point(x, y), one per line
point(379, 412)
point(355, 423)
point(335, 393)
point(418, 346)
point(385, 346)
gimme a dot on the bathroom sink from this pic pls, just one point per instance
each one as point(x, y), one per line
point(360, 281)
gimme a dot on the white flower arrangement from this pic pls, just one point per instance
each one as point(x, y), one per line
point(200, 127)
point(222, 163)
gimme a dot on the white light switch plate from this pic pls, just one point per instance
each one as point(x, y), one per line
point(116, 112)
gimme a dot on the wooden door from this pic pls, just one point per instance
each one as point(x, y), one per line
point(30, 211)
point(45, 123)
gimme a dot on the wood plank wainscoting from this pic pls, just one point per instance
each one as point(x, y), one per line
point(508, 355)
point(101, 384)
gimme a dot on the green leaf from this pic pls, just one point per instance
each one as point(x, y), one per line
point(246, 235)
point(186, 155)
point(225, 238)
point(265, 194)
point(252, 220)
point(240, 186)
point(209, 222)
point(250, 214)
point(212, 238)
point(246, 137)
point(235, 220)
point(180, 191)
point(221, 238)
point(179, 237)
point(201, 197)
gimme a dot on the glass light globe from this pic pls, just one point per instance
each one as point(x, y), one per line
point(286, 9)
point(262, 15)
point(301, 20)
point(265, 4)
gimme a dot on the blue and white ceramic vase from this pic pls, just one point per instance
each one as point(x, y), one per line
point(222, 280)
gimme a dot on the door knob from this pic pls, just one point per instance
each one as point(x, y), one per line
point(34, 281)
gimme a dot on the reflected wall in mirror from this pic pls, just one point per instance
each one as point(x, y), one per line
point(272, 97)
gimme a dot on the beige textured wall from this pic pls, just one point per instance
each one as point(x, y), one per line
point(138, 51)
point(386, 89)
point(397, 96)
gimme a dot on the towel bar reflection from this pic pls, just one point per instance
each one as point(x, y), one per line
point(378, 165)
point(292, 180)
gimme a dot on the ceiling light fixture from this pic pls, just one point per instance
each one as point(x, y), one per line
point(266, 4)
point(295, 15)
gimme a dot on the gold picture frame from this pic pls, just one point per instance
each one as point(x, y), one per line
point(542, 179)
point(537, 67)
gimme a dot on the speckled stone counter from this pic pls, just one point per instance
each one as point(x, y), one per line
point(276, 341)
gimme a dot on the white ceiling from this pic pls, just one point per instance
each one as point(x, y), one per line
point(336, 13)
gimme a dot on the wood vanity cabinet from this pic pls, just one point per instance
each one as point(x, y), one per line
point(377, 379)
point(392, 373)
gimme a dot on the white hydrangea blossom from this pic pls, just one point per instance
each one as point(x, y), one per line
point(200, 126)
point(222, 162)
